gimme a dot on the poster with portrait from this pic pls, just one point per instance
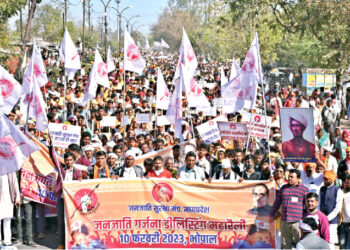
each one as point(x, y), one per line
point(298, 134)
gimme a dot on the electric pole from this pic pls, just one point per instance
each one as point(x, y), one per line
point(83, 38)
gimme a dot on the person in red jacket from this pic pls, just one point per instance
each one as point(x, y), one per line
point(158, 170)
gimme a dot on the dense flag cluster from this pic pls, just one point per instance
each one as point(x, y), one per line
point(240, 92)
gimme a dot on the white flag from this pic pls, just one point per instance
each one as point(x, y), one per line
point(194, 94)
point(234, 69)
point(163, 96)
point(174, 112)
point(98, 75)
point(240, 92)
point(223, 78)
point(110, 61)
point(36, 67)
point(69, 55)
point(187, 56)
point(187, 61)
point(157, 44)
point(147, 44)
point(10, 91)
point(164, 44)
point(133, 60)
point(36, 109)
point(15, 147)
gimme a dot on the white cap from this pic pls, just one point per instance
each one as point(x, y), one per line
point(129, 153)
point(226, 163)
point(112, 155)
point(110, 144)
point(88, 148)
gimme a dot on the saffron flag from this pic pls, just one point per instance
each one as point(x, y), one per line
point(15, 147)
point(133, 60)
point(240, 92)
point(109, 61)
point(35, 67)
point(10, 91)
point(163, 96)
point(38, 176)
point(69, 55)
point(98, 75)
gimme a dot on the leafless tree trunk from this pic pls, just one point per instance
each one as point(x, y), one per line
point(26, 37)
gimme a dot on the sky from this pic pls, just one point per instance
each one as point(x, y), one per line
point(148, 10)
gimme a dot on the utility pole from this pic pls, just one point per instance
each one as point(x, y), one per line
point(21, 24)
point(65, 13)
point(89, 5)
point(83, 38)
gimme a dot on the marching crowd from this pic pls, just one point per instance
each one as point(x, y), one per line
point(304, 190)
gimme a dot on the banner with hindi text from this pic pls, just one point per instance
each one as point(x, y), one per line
point(168, 213)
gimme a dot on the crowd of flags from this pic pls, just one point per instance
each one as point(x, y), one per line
point(238, 92)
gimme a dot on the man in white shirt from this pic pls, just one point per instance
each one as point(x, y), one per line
point(191, 171)
point(128, 170)
point(310, 178)
point(226, 173)
point(202, 152)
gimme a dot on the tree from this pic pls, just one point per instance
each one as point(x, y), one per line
point(46, 23)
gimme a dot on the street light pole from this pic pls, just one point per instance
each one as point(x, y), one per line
point(120, 20)
point(105, 5)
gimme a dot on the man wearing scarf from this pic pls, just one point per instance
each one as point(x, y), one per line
point(101, 169)
point(331, 201)
point(158, 170)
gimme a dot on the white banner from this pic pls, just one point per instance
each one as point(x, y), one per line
point(63, 135)
point(207, 111)
point(233, 131)
point(258, 124)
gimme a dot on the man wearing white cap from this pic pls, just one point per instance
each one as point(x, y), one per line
point(111, 161)
point(298, 147)
point(226, 173)
point(310, 240)
point(89, 154)
point(109, 146)
point(129, 170)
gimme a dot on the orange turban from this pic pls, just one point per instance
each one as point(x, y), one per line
point(347, 149)
point(329, 174)
point(313, 165)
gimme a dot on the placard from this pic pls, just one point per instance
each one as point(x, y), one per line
point(233, 131)
point(143, 118)
point(62, 135)
point(209, 131)
point(257, 125)
point(162, 121)
point(298, 134)
point(108, 121)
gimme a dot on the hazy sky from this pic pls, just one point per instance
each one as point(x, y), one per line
point(147, 9)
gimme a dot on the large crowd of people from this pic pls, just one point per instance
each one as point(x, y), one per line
point(317, 190)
